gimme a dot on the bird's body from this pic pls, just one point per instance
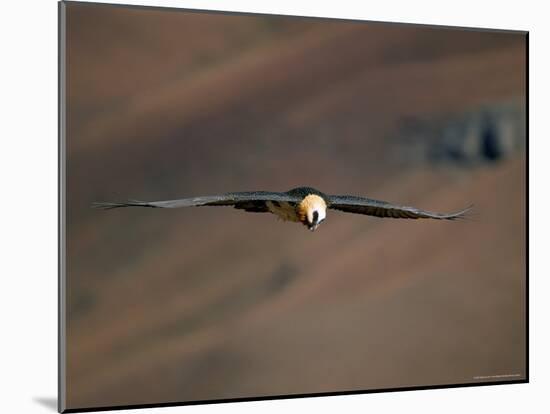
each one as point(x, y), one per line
point(283, 210)
point(298, 212)
point(304, 205)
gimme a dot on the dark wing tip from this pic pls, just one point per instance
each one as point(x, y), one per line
point(462, 214)
point(129, 203)
point(107, 205)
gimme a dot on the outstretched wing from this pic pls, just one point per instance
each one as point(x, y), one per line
point(362, 205)
point(254, 201)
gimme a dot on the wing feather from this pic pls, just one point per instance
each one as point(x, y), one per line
point(377, 208)
point(243, 199)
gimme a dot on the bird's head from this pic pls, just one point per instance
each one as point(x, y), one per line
point(313, 211)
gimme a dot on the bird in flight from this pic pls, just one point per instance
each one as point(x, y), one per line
point(304, 205)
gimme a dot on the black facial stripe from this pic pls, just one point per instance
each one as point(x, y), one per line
point(315, 217)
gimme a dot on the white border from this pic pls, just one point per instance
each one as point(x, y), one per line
point(29, 202)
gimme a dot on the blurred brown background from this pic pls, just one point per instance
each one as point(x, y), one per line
point(209, 303)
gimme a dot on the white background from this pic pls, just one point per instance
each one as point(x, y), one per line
point(28, 229)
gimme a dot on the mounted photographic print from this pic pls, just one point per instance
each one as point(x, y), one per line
point(263, 206)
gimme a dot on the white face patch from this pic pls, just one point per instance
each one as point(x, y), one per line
point(312, 210)
point(321, 213)
point(316, 213)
